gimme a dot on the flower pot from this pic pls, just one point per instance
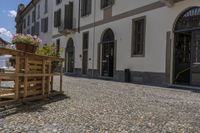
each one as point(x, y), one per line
point(26, 48)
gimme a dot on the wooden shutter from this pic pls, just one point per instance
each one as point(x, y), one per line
point(56, 19)
point(59, 17)
point(69, 16)
point(46, 25)
point(102, 4)
point(33, 30)
point(89, 7)
point(106, 3)
point(33, 16)
point(82, 7)
point(37, 28)
point(42, 25)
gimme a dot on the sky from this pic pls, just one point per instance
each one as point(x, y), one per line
point(8, 12)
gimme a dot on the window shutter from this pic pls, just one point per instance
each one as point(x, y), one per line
point(42, 25)
point(33, 30)
point(69, 16)
point(82, 8)
point(46, 6)
point(38, 13)
point(59, 17)
point(89, 7)
point(110, 2)
point(46, 25)
point(102, 3)
point(56, 19)
point(37, 28)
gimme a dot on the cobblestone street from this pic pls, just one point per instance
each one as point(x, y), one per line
point(107, 106)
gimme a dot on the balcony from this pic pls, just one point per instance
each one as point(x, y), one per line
point(64, 30)
point(66, 27)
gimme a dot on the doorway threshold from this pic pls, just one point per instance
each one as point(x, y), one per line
point(187, 87)
point(106, 78)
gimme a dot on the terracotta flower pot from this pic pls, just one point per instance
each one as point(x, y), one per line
point(26, 48)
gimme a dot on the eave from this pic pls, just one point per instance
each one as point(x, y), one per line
point(168, 3)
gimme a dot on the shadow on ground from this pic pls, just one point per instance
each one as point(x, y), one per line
point(34, 106)
point(195, 89)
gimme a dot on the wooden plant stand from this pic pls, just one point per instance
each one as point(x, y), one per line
point(32, 77)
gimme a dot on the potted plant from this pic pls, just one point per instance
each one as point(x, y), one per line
point(50, 50)
point(26, 43)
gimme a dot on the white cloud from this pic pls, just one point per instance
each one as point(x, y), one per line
point(5, 32)
point(12, 13)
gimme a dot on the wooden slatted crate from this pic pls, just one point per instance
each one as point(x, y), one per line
point(32, 77)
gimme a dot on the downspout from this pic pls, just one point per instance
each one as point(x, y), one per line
point(94, 31)
point(79, 15)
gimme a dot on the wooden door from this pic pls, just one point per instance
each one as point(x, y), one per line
point(85, 62)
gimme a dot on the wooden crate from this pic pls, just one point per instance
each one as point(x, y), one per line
point(33, 76)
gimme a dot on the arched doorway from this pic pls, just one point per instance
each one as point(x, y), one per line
point(107, 54)
point(187, 48)
point(69, 56)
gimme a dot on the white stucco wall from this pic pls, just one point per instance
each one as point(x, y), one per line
point(45, 37)
point(159, 21)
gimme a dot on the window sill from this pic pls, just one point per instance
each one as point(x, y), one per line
point(137, 56)
point(57, 4)
point(107, 7)
point(85, 16)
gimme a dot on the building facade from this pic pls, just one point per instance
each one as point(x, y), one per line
point(36, 19)
point(158, 41)
point(4, 43)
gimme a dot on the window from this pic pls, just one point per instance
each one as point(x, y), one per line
point(46, 6)
point(24, 23)
point(58, 2)
point(28, 31)
point(58, 46)
point(85, 40)
point(37, 28)
point(138, 36)
point(106, 3)
point(28, 20)
point(57, 18)
point(44, 25)
point(69, 16)
point(86, 6)
point(33, 16)
point(33, 30)
point(38, 12)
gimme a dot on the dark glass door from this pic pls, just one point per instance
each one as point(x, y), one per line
point(195, 69)
point(85, 62)
point(71, 61)
point(108, 59)
point(183, 57)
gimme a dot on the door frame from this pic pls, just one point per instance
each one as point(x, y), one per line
point(174, 53)
point(84, 50)
point(172, 77)
point(173, 40)
point(67, 55)
point(114, 60)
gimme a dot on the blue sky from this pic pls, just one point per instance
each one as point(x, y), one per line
point(8, 10)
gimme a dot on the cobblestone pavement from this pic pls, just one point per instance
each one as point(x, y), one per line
point(106, 106)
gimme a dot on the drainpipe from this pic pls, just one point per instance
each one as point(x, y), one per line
point(94, 30)
point(79, 15)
